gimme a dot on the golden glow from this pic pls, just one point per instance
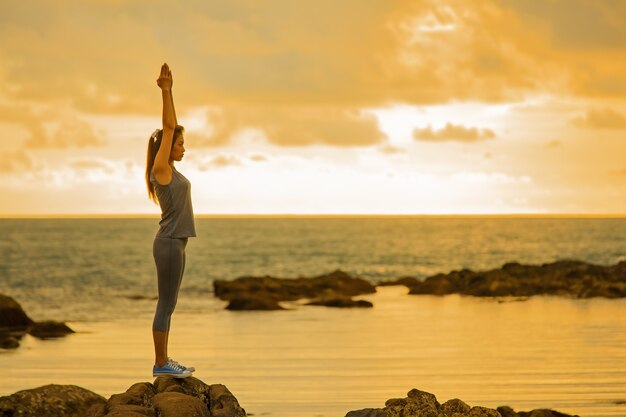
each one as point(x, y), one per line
point(397, 107)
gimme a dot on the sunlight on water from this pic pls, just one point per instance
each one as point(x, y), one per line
point(546, 352)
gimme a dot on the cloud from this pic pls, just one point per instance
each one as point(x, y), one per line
point(88, 164)
point(620, 172)
point(298, 70)
point(70, 132)
point(390, 149)
point(553, 144)
point(220, 161)
point(604, 118)
point(24, 116)
point(292, 126)
point(15, 161)
point(453, 132)
point(258, 157)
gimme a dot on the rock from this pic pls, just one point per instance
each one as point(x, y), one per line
point(338, 300)
point(223, 403)
point(406, 281)
point(288, 289)
point(483, 412)
point(424, 404)
point(253, 302)
point(176, 404)
point(506, 411)
point(561, 278)
point(11, 314)
point(141, 297)
point(454, 406)
point(49, 329)
point(50, 401)
point(9, 341)
point(368, 412)
point(171, 397)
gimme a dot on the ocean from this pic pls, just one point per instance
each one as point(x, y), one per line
point(554, 352)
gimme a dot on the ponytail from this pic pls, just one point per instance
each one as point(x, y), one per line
point(154, 143)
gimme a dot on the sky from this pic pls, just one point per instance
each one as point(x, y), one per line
point(317, 107)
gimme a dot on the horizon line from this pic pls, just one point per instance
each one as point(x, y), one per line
point(315, 215)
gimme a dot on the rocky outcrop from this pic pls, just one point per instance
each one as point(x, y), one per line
point(50, 401)
point(424, 404)
point(166, 397)
point(14, 323)
point(562, 278)
point(12, 316)
point(265, 292)
point(171, 397)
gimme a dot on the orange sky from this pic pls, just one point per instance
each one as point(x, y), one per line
point(398, 107)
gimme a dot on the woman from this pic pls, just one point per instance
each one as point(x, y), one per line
point(173, 193)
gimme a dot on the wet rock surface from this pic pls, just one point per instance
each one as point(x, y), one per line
point(562, 278)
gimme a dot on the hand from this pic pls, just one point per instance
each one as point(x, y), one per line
point(165, 80)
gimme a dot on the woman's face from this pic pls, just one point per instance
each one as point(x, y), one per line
point(178, 151)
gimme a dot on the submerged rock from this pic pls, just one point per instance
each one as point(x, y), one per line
point(424, 404)
point(563, 278)
point(340, 301)
point(254, 302)
point(267, 289)
point(10, 340)
point(49, 329)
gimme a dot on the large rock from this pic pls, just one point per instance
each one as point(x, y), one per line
point(12, 316)
point(257, 291)
point(171, 397)
point(50, 401)
point(563, 278)
point(424, 404)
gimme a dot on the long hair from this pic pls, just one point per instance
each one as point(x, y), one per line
point(154, 143)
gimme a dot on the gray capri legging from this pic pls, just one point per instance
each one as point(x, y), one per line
point(169, 256)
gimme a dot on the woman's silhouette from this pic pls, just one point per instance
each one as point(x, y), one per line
point(172, 191)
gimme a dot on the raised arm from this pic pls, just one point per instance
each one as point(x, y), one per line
point(162, 169)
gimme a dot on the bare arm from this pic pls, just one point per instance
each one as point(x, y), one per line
point(162, 168)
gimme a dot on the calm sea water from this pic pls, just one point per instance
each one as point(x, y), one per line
point(552, 352)
point(82, 269)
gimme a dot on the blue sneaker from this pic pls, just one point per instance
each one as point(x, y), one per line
point(189, 368)
point(170, 369)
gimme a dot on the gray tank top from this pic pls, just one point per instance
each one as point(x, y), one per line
point(176, 210)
